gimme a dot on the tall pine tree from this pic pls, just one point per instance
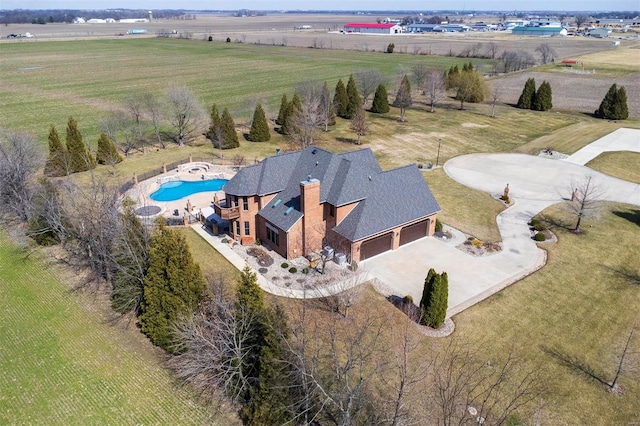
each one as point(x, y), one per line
point(173, 286)
point(259, 128)
point(435, 312)
point(403, 97)
point(228, 134)
point(56, 164)
point(284, 104)
point(215, 127)
point(265, 401)
point(341, 99)
point(620, 107)
point(80, 159)
point(528, 93)
point(293, 109)
point(355, 101)
point(543, 98)
point(107, 151)
point(380, 100)
point(426, 293)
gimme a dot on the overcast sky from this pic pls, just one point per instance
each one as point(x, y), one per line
point(509, 5)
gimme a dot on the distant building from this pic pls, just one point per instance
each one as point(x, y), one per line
point(437, 28)
point(539, 31)
point(635, 22)
point(421, 28)
point(600, 32)
point(364, 28)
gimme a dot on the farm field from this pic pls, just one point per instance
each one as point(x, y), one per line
point(63, 363)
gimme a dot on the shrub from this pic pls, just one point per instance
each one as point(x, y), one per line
point(228, 39)
point(540, 237)
point(354, 266)
point(537, 225)
point(285, 265)
point(476, 242)
point(506, 199)
point(305, 271)
point(391, 47)
point(407, 299)
point(293, 269)
point(438, 225)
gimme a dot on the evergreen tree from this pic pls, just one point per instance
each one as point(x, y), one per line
point(293, 109)
point(131, 254)
point(107, 151)
point(471, 87)
point(426, 294)
point(173, 286)
point(525, 101)
point(355, 101)
point(284, 104)
point(56, 164)
point(215, 128)
point(341, 99)
point(380, 100)
point(452, 77)
point(228, 135)
point(543, 99)
point(259, 128)
point(265, 402)
point(605, 110)
point(436, 311)
point(403, 97)
point(620, 107)
point(80, 159)
point(467, 67)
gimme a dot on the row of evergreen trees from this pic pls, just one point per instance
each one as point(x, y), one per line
point(540, 100)
point(222, 130)
point(74, 156)
point(614, 104)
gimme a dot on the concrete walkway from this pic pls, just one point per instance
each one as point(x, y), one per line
point(621, 140)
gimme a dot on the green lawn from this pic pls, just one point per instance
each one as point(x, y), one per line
point(87, 78)
point(62, 363)
point(583, 304)
point(623, 165)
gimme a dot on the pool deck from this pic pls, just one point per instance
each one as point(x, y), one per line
point(140, 193)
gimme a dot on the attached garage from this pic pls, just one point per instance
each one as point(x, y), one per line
point(376, 246)
point(414, 232)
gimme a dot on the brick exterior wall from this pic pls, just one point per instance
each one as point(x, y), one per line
point(313, 223)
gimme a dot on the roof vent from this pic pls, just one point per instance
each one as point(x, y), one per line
point(314, 151)
point(308, 178)
point(369, 177)
point(289, 210)
point(316, 163)
point(276, 204)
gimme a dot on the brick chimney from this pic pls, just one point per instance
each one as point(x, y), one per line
point(312, 224)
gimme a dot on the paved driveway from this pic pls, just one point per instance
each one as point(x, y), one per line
point(535, 183)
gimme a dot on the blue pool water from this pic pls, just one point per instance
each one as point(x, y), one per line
point(175, 190)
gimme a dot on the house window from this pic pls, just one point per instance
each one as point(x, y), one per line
point(245, 203)
point(273, 235)
point(332, 210)
point(237, 227)
point(246, 228)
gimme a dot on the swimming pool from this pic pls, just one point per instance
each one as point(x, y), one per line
point(175, 190)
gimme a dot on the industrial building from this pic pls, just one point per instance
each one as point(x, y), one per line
point(364, 28)
point(539, 31)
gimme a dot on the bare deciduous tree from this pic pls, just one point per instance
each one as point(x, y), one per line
point(367, 82)
point(492, 50)
point(419, 73)
point(434, 86)
point(120, 128)
point(359, 124)
point(547, 53)
point(135, 106)
point(581, 19)
point(20, 158)
point(185, 113)
point(305, 123)
point(469, 390)
point(496, 92)
point(154, 111)
point(584, 200)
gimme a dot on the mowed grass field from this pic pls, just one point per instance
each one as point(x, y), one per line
point(62, 363)
point(44, 83)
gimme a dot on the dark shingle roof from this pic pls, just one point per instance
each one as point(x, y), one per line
point(393, 198)
point(387, 199)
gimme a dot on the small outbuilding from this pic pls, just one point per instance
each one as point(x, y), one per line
point(600, 32)
point(539, 31)
point(364, 28)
